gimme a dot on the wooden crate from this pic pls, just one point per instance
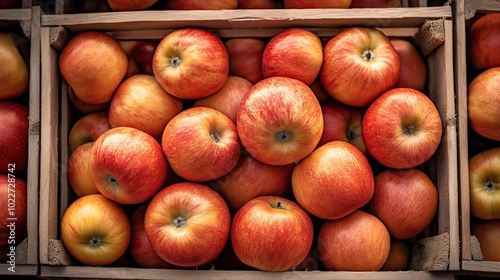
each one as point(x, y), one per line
point(28, 20)
point(464, 11)
point(435, 254)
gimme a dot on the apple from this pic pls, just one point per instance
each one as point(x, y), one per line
point(14, 139)
point(227, 260)
point(333, 181)
point(201, 5)
point(399, 256)
point(484, 184)
point(260, 4)
point(271, 233)
point(85, 107)
point(132, 68)
point(402, 128)
point(93, 63)
point(251, 178)
point(405, 200)
point(13, 213)
point(88, 128)
point(189, 224)
point(483, 101)
point(356, 242)
point(295, 53)
point(279, 121)
point(140, 102)
point(311, 4)
point(245, 58)
point(228, 98)
point(320, 92)
point(359, 65)
point(191, 63)
point(95, 230)
point(142, 53)
point(483, 41)
point(14, 74)
point(413, 70)
point(201, 144)
point(127, 165)
point(488, 234)
point(78, 171)
point(130, 5)
point(375, 3)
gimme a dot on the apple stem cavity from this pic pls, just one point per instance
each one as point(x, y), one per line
point(409, 129)
point(215, 136)
point(368, 55)
point(95, 242)
point(179, 222)
point(113, 180)
point(490, 185)
point(350, 135)
point(175, 61)
point(284, 136)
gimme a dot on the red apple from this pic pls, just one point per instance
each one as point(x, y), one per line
point(132, 68)
point(488, 234)
point(201, 5)
point(127, 165)
point(483, 101)
point(295, 53)
point(201, 144)
point(228, 98)
point(142, 53)
point(14, 74)
point(130, 5)
point(245, 57)
point(271, 233)
point(402, 128)
point(375, 3)
point(356, 242)
point(95, 230)
point(85, 107)
point(413, 71)
point(140, 102)
point(227, 260)
point(399, 256)
point(88, 128)
point(189, 224)
point(191, 63)
point(311, 4)
point(483, 38)
point(333, 181)
point(260, 4)
point(484, 184)
point(320, 92)
point(78, 171)
point(359, 65)
point(14, 136)
point(13, 213)
point(93, 63)
point(279, 121)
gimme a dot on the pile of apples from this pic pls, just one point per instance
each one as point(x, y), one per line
point(277, 152)
point(483, 101)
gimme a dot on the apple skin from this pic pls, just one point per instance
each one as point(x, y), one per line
point(483, 101)
point(295, 53)
point(201, 5)
point(13, 188)
point(359, 65)
point(130, 5)
point(405, 200)
point(279, 121)
point(14, 137)
point(191, 63)
point(85, 107)
point(260, 4)
point(277, 243)
point(78, 171)
point(127, 165)
point(402, 128)
point(93, 221)
point(375, 3)
point(483, 38)
point(356, 242)
point(132, 68)
point(312, 4)
point(484, 184)
point(488, 234)
point(332, 191)
point(142, 53)
point(88, 128)
point(413, 71)
point(320, 92)
point(140, 102)
point(228, 98)
point(93, 63)
point(189, 223)
point(201, 144)
point(245, 58)
point(399, 256)
point(14, 73)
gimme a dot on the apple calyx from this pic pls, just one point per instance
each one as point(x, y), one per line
point(95, 242)
point(113, 180)
point(368, 55)
point(278, 205)
point(175, 61)
point(409, 130)
point(284, 136)
point(180, 222)
point(215, 136)
point(489, 185)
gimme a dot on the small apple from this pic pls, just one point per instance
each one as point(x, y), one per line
point(399, 256)
point(320, 92)
point(375, 3)
point(312, 4)
point(488, 234)
point(413, 72)
point(142, 53)
point(201, 5)
point(130, 5)
point(78, 171)
point(14, 136)
point(484, 184)
point(245, 58)
point(14, 210)
point(483, 42)
point(88, 128)
point(260, 4)
point(85, 107)
point(14, 74)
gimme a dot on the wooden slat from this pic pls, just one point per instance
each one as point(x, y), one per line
point(471, 7)
point(21, 270)
point(481, 266)
point(15, 14)
point(63, 145)
point(26, 4)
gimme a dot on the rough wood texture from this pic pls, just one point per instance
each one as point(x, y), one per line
point(477, 255)
point(58, 254)
point(481, 266)
point(58, 37)
point(22, 252)
point(15, 14)
point(471, 7)
point(430, 36)
point(431, 253)
point(21, 270)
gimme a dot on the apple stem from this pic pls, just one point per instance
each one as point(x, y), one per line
point(95, 241)
point(284, 136)
point(179, 222)
point(175, 61)
point(490, 185)
point(215, 136)
point(409, 130)
point(368, 55)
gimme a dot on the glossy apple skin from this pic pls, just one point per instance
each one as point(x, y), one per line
point(483, 101)
point(413, 71)
point(356, 242)
point(93, 63)
point(140, 102)
point(488, 234)
point(260, 4)
point(333, 181)
point(130, 5)
point(13, 188)
point(375, 3)
point(399, 256)
point(201, 5)
point(204, 229)
point(14, 74)
point(14, 137)
point(142, 53)
point(359, 65)
point(279, 121)
point(88, 128)
point(402, 128)
point(483, 39)
point(78, 171)
point(85, 107)
point(132, 68)
point(295, 53)
point(484, 184)
point(277, 243)
point(127, 165)
point(308, 4)
point(228, 98)
point(245, 58)
point(405, 200)
point(93, 217)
